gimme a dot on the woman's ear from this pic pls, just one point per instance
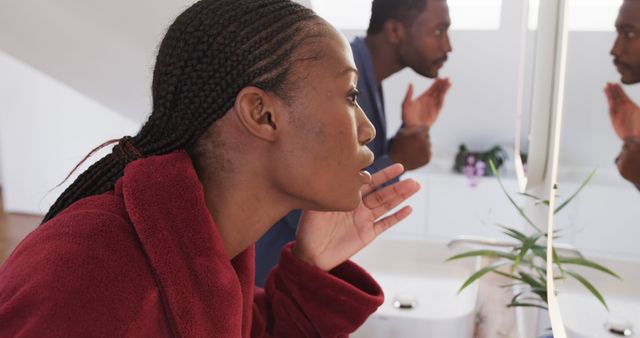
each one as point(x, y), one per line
point(256, 110)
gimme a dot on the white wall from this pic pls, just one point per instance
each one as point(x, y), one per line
point(46, 128)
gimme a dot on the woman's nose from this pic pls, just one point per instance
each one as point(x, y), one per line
point(366, 130)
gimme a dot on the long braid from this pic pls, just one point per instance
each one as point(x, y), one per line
point(210, 52)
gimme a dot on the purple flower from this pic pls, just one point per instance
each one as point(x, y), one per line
point(469, 171)
point(481, 168)
point(471, 160)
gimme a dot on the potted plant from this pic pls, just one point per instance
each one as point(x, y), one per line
point(525, 263)
point(473, 164)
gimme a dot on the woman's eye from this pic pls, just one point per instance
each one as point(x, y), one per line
point(438, 32)
point(629, 34)
point(353, 96)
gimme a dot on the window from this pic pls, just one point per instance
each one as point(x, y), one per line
point(475, 14)
point(344, 14)
point(465, 14)
point(584, 15)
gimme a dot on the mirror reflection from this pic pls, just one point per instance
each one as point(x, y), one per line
point(599, 131)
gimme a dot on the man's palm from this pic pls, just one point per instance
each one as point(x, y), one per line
point(624, 113)
point(424, 110)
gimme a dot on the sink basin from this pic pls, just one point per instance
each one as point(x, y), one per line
point(421, 298)
point(585, 317)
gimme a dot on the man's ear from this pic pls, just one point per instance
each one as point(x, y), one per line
point(256, 110)
point(394, 31)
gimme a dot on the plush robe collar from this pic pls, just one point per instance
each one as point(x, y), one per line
point(203, 292)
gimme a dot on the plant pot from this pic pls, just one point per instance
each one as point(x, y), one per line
point(532, 322)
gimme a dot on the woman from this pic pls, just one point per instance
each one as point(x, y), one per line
point(254, 114)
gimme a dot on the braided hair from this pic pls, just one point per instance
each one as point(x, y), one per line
point(210, 52)
point(402, 10)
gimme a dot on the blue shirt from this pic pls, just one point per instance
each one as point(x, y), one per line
point(371, 101)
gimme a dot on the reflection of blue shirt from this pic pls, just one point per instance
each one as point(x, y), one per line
point(371, 101)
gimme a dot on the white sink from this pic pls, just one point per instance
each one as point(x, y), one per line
point(585, 317)
point(414, 273)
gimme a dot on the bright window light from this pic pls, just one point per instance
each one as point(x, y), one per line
point(475, 14)
point(534, 9)
point(344, 14)
point(593, 15)
point(465, 14)
point(584, 15)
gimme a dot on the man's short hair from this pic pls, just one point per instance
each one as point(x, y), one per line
point(404, 11)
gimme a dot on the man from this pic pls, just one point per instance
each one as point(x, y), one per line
point(624, 113)
point(401, 33)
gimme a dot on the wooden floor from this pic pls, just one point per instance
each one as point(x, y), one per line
point(13, 228)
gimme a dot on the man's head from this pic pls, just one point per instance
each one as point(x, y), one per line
point(417, 29)
point(626, 49)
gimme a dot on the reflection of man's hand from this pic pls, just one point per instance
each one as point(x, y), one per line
point(629, 161)
point(411, 147)
point(625, 115)
point(424, 110)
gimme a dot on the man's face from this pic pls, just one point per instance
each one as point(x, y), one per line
point(426, 44)
point(626, 49)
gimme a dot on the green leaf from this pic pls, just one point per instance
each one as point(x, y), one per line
point(537, 287)
point(511, 232)
point(588, 263)
point(541, 292)
point(495, 173)
point(584, 183)
point(589, 286)
point(508, 275)
point(527, 305)
point(480, 273)
point(515, 298)
point(526, 245)
point(532, 280)
point(535, 198)
point(510, 285)
point(484, 253)
point(541, 251)
point(556, 259)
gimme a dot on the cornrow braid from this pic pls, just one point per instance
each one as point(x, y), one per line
point(210, 52)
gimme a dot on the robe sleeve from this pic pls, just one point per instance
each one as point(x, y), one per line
point(300, 300)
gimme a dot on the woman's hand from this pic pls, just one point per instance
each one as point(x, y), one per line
point(327, 239)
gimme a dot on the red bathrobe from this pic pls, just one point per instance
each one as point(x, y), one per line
point(146, 260)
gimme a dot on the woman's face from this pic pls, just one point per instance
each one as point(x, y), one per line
point(322, 149)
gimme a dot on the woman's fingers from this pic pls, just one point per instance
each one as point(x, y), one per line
point(382, 176)
point(383, 200)
point(391, 220)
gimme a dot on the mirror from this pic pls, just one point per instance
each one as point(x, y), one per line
point(491, 70)
point(488, 62)
point(602, 221)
